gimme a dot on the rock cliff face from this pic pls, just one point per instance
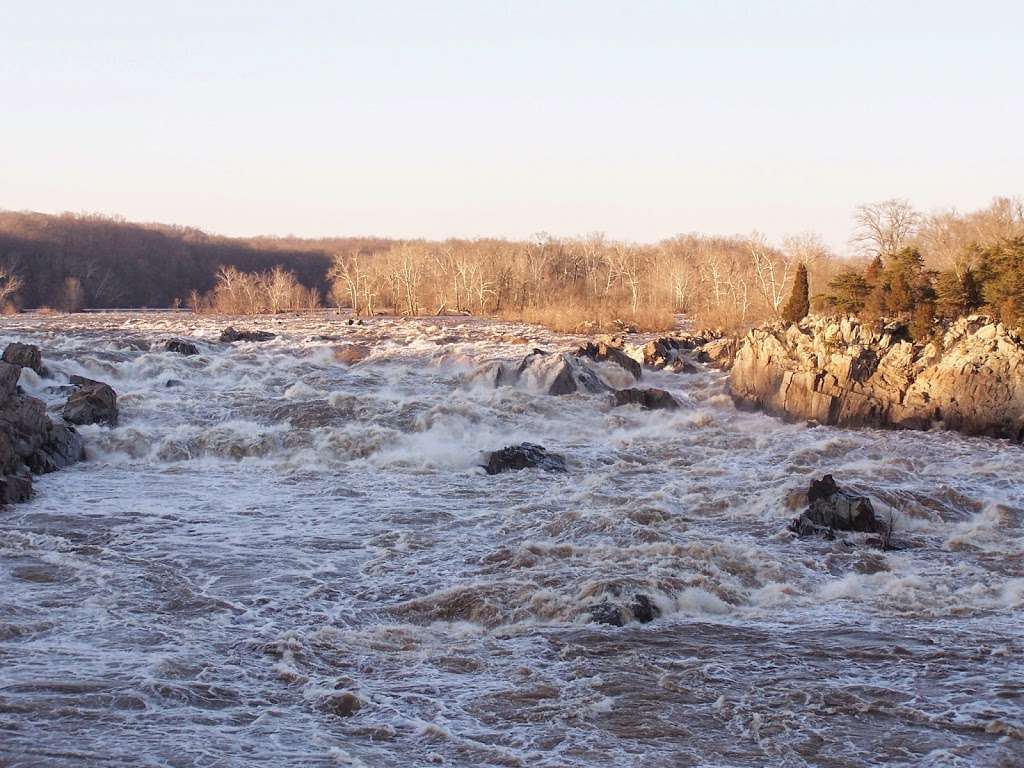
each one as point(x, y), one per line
point(846, 373)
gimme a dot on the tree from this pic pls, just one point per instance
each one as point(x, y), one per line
point(10, 284)
point(771, 269)
point(922, 320)
point(799, 303)
point(884, 228)
point(848, 292)
point(959, 292)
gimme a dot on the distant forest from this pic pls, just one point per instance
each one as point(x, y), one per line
point(112, 263)
point(925, 268)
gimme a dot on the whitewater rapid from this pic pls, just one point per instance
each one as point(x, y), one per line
point(284, 560)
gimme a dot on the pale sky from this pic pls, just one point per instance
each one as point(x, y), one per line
point(638, 119)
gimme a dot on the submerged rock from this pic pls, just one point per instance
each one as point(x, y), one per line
point(349, 354)
point(181, 347)
point(651, 398)
point(846, 373)
point(25, 356)
point(642, 609)
point(832, 509)
point(556, 373)
point(93, 402)
point(524, 456)
point(605, 351)
point(230, 335)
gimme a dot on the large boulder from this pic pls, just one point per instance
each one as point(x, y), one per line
point(829, 508)
point(850, 374)
point(613, 613)
point(524, 456)
point(650, 399)
point(29, 440)
point(25, 356)
point(181, 347)
point(92, 402)
point(612, 352)
point(556, 373)
point(230, 335)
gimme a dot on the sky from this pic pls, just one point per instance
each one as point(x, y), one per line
point(640, 120)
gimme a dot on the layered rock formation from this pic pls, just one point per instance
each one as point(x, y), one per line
point(852, 374)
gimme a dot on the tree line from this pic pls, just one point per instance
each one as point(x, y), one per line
point(904, 263)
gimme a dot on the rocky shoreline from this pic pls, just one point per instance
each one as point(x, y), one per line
point(845, 373)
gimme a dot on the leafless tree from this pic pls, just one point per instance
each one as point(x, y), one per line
point(883, 228)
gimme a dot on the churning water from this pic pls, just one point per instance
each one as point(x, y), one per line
point(288, 561)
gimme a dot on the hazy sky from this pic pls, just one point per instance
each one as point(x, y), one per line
point(638, 119)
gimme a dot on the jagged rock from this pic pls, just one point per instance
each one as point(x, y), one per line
point(93, 402)
point(524, 456)
point(845, 373)
point(29, 440)
point(652, 399)
point(832, 509)
point(605, 351)
point(231, 335)
point(642, 610)
point(719, 353)
point(556, 373)
point(181, 346)
point(26, 356)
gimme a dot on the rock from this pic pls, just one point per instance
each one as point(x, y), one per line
point(559, 374)
point(832, 509)
point(653, 399)
point(345, 704)
point(29, 440)
point(230, 335)
point(93, 402)
point(25, 356)
point(181, 347)
point(642, 610)
point(841, 372)
point(603, 351)
point(349, 354)
point(719, 353)
point(173, 383)
point(524, 456)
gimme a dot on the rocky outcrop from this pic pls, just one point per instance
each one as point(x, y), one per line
point(524, 456)
point(650, 399)
point(670, 352)
point(230, 335)
point(29, 441)
point(612, 352)
point(556, 373)
point(92, 402)
point(846, 373)
point(25, 356)
point(830, 509)
point(181, 347)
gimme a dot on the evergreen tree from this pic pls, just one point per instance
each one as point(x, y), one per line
point(959, 292)
point(848, 292)
point(799, 303)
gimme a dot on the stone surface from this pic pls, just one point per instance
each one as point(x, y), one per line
point(612, 352)
point(850, 374)
point(829, 508)
point(229, 335)
point(93, 402)
point(524, 456)
point(652, 398)
point(26, 356)
point(181, 347)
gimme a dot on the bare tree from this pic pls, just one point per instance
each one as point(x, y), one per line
point(771, 270)
point(10, 284)
point(883, 228)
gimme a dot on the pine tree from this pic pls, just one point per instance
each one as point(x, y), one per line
point(848, 292)
point(799, 303)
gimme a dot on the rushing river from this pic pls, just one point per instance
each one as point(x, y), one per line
point(289, 561)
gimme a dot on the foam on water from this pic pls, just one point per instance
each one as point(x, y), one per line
point(286, 560)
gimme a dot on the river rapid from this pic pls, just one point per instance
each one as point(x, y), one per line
point(290, 561)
